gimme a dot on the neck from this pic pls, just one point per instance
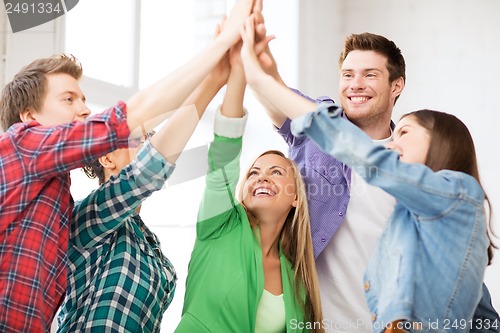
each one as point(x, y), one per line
point(270, 228)
point(378, 133)
point(378, 129)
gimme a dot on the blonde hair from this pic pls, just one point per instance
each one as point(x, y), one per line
point(296, 244)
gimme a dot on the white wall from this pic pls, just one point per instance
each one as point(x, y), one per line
point(452, 52)
point(17, 50)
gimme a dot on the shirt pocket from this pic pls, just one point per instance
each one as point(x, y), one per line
point(325, 177)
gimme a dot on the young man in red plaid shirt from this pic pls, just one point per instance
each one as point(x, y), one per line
point(47, 134)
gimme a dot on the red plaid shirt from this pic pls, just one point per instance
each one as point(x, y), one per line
point(35, 206)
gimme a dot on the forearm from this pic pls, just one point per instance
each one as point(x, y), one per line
point(200, 98)
point(204, 93)
point(414, 185)
point(277, 117)
point(232, 106)
point(276, 96)
point(170, 92)
point(174, 135)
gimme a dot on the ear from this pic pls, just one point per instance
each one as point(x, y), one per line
point(107, 162)
point(28, 115)
point(295, 202)
point(397, 86)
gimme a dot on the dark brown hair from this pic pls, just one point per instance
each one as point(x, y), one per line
point(29, 87)
point(95, 170)
point(449, 134)
point(381, 45)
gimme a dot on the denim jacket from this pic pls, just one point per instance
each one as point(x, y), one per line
point(429, 264)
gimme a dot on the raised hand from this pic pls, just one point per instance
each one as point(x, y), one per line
point(236, 20)
point(251, 50)
point(265, 56)
point(220, 73)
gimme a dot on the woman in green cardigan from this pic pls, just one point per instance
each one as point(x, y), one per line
point(252, 266)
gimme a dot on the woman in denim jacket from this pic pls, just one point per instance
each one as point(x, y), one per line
point(427, 272)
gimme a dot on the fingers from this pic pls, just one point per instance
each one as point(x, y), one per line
point(261, 45)
point(260, 31)
point(266, 60)
point(239, 13)
point(219, 27)
point(217, 31)
point(222, 22)
point(247, 32)
point(257, 6)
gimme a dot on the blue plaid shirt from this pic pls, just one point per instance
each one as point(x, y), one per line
point(118, 278)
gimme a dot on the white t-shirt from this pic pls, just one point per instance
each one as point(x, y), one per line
point(343, 262)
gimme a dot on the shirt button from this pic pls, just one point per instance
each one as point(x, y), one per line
point(367, 286)
point(341, 213)
point(323, 239)
point(374, 316)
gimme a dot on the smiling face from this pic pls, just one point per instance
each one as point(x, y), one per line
point(64, 102)
point(366, 94)
point(270, 185)
point(410, 140)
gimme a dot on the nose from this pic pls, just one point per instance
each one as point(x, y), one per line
point(83, 111)
point(357, 83)
point(262, 178)
point(390, 145)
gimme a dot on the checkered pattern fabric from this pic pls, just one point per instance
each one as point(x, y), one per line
point(119, 280)
point(35, 206)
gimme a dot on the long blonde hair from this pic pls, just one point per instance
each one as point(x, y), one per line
point(296, 244)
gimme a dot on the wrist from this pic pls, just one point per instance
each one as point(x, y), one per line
point(215, 81)
point(237, 70)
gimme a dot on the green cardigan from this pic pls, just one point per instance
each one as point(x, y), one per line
point(226, 276)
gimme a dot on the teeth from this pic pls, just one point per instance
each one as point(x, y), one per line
point(359, 99)
point(263, 191)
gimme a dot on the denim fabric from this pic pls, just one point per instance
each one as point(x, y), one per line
point(485, 319)
point(430, 260)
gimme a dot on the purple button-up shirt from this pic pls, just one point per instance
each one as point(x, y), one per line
point(327, 183)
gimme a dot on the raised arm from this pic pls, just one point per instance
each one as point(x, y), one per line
point(272, 93)
point(414, 185)
point(268, 64)
point(170, 92)
point(218, 209)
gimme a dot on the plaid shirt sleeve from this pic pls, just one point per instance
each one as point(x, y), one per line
point(105, 209)
point(49, 151)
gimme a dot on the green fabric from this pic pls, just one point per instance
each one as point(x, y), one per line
point(225, 276)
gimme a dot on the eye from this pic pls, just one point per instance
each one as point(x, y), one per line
point(403, 132)
point(252, 173)
point(276, 172)
point(347, 75)
point(69, 100)
point(371, 75)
